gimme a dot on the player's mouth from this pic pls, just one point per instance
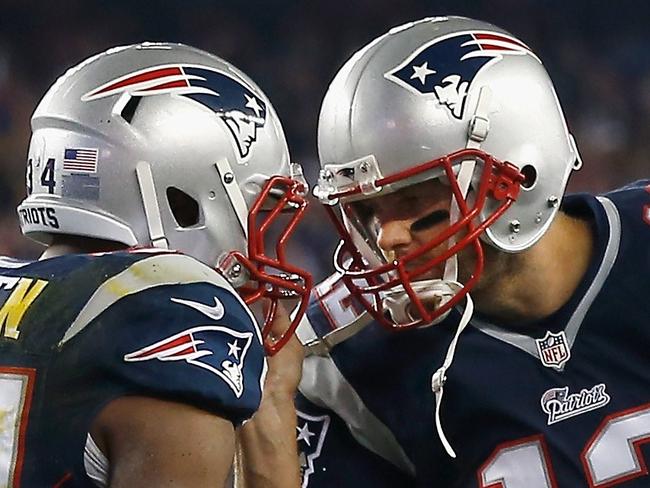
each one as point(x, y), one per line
point(435, 273)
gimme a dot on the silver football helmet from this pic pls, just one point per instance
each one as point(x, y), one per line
point(165, 145)
point(450, 98)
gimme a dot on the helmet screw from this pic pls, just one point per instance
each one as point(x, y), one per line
point(327, 175)
point(538, 217)
point(553, 201)
point(515, 226)
point(228, 178)
point(235, 271)
point(364, 167)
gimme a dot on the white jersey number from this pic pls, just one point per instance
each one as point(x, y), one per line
point(337, 303)
point(15, 397)
point(503, 468)
point(612, 456)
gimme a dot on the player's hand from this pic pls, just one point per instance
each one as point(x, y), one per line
point(268, 450)
point(285, 367)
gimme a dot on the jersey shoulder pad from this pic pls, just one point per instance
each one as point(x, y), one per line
point(172, 327)
point(142, 274)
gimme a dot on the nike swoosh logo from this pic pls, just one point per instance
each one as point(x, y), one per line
point(215, 312)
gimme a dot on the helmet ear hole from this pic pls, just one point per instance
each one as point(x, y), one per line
point(530, 176)
point(184, 208)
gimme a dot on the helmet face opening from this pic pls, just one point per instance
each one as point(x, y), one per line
point(375, 274)
point(269, 274)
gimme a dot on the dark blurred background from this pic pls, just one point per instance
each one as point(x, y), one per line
point(597, 52)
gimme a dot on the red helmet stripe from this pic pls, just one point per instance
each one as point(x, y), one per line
point(139, 78)
point(493, 47)
point(499, 37)
point(169, 84)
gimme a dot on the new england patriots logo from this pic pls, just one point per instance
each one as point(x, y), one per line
point(310, 439)
point(447, 66)
point(218, 349)
point(240, 109)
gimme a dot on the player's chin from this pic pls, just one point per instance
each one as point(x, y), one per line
point(435, 273)
point(430, 305)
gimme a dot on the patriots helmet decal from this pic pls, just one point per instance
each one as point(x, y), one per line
point(446, 67)
point(215, 348)
point(240, 109)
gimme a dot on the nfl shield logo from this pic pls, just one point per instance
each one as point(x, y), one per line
point(553, 350)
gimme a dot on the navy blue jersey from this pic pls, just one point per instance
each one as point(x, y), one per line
point(564, 402)
point(78, 331)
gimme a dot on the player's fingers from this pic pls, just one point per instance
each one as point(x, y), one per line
point(280, 320)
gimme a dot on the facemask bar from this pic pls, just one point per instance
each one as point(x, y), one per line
point(274, 278)
point(500, 181)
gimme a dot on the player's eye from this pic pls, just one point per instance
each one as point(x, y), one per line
point(430, 220)
point(364, 212)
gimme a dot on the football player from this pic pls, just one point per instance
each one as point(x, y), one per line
point(483, 329)
point(156, 175)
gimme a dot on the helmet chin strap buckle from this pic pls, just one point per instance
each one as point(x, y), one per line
point(479, 125)
point(438, 379)
point(479, 128)
point(160, 243)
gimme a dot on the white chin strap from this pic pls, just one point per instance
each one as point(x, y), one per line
point(235, 195)
point(151, 207)
point(450, 279)
point(478, 130)
point(439, 377)
point(451, 276)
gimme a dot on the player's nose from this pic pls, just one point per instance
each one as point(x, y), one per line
point(394, 236)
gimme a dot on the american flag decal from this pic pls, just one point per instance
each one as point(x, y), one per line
point(80, 160)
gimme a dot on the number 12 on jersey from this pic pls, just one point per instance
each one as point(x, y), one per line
point(611, 457)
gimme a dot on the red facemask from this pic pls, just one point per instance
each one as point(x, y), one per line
point(500, 181)
point(271, 275)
